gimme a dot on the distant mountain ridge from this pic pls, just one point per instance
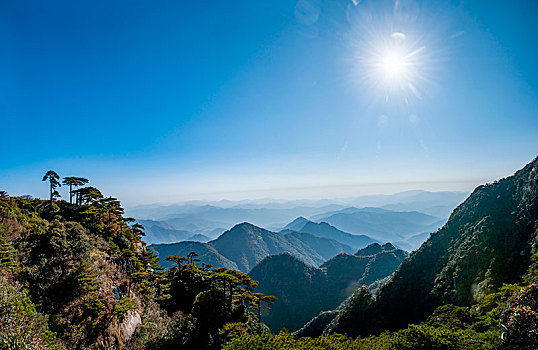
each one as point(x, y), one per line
point(211, 218)
point(325, 230)
point(304, 290)
point(381, 224)
point(245, 245)
point(161, 232)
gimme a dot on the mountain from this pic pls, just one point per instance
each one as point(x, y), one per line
point(303, 291)
point(488, 240)
point(206, 218)
point(200, 217)
point(381, 224)
point(300, 289)
point(245, 245)
point(199, 238)
point(439, 204)
point(296, 225)
point(161, 232)
point(206, 253)
point(215, 232)
point(323, 229)
point(75, 276)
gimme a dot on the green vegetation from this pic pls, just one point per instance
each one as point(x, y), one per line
point(304, 291)
point(78, 275)
point(21, 326)
point(413, 337)
point(489, 240)
point(448, 327)
point(472, 285)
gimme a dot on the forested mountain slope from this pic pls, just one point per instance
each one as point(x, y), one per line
point(78, 276)
point(490, 239)
point(74, 263)
point(472, 285)
point(303, 291)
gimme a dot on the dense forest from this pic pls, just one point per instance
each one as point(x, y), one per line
point(77, 274)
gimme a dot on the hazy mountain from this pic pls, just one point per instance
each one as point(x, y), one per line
point(161, 232)
point(206, 253)
point(208, 218)
point(199, 238)
point(438, 204)
point(303, 291)
point(208, 215)
point(488, 241)
point(296, 225)
point(215, 232)
point(245, 245)
point(323, 229)
point(381, 224)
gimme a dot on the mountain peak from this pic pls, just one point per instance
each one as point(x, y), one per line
point(371, 249)
point(243, 226)
point(388, 246)
point(297, 224)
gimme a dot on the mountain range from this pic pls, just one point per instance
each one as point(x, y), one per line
point(325, 230)
point(158, 232)
point(243, 246)
point(489, 240)
point(176, 222)
point(303, 291)
point(381, 224)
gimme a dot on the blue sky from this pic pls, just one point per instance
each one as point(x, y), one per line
point(177, 100)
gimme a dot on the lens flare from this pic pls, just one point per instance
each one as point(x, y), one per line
point(393, 53)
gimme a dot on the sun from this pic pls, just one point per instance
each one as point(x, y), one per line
point(393, 66)
point(396, 65)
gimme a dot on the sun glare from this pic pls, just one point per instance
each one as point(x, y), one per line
point(393, 63)
point(393, 66)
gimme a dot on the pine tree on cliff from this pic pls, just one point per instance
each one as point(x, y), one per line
point(53, 178)
point(74, 181)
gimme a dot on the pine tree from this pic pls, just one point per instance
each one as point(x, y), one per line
point(73, 181)
point(53, 178)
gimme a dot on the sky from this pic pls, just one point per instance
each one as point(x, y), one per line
point(177, 100)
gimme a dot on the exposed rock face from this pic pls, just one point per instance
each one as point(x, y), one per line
point(119, 332)
point(130, 323)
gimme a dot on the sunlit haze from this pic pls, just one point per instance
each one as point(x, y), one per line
point(181, 100)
